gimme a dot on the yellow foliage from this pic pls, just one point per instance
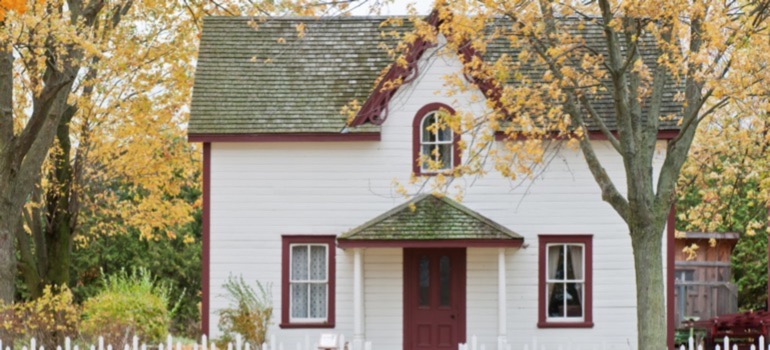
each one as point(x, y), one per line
point(12, 5)
point(49, 319)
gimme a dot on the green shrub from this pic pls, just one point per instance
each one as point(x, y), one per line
point(248, 314)
point(130, 304)
point(48, 319)
point(175, 260)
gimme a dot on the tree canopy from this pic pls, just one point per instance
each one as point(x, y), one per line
point(715, 52)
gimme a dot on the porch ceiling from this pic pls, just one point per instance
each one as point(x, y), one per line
point(430, 221)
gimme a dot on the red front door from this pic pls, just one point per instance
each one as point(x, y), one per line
point(434, 298)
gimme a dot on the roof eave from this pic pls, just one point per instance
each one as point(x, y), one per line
point(285, 137)
point(428, 243)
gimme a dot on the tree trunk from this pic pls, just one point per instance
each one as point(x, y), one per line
point(59, 245)
point(60, 215)
point(8, 218)
point(48, 260)
point(650, 304)
point(7, 256)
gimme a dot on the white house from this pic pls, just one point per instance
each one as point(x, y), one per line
point(295, 197)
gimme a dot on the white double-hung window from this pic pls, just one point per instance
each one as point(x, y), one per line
point(436, 144)
point(565, 282)
point(309, 283)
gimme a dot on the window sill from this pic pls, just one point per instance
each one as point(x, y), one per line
point(306, 325)
point(447, 172)
point(585, 324)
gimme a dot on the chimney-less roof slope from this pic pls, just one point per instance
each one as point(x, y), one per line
point(248, 82)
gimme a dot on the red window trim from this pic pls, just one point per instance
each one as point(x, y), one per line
point(585, 239)
point(416, 128)
point(285, 264)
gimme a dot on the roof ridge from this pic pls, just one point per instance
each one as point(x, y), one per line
point(295, 18)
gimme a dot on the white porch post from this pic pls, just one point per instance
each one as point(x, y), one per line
point(358, 299)
point(502, 308)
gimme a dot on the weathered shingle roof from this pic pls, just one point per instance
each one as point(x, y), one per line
point(302, 89)
point(429, 217)
point(593, 34)
point(308, 80)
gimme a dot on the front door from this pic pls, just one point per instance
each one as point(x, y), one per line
point(434, 298)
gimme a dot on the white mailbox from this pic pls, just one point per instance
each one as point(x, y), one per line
point(328, 341)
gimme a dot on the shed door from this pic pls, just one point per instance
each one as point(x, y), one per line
point(434, 298)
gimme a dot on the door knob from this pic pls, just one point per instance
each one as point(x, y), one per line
point(452, 316)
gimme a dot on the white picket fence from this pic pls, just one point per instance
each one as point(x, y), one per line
point(205, 344)
point(474, 344)
point(307, 344)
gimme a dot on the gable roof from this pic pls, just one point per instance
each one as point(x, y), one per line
point(304, 86)
point(270, 81)
point(429, 217)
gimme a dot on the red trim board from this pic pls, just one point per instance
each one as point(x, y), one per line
point(287, 137)
point(206, 246)
point(670, 256)
point(436, 243)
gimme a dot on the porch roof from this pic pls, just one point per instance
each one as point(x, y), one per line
point(430, 221)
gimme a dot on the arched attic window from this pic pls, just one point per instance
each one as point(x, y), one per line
point(434, 142)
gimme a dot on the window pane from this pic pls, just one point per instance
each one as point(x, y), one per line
point(445, 273)
point(574, 299)
point(424, 275)
point(684, 275)
point(445, 134)
point(299, 263)
point(575, 262)
point(556, 262)
point(318, 263)
point(555, 299)
point(299, 300)
point(318, 300)
point(425, 153)
point(445, 155)
point(428, 134)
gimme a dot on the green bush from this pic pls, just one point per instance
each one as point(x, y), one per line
point(175, 260)
point(172, 261)
point(130, 304)
point(248, 314)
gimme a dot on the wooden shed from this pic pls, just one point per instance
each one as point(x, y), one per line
point(703, 282)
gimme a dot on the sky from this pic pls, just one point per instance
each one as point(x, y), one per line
point(397, 7)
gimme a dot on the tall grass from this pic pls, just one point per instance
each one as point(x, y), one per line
point(249, 312)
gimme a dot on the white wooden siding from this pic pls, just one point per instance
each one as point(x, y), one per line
point(260, 191)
